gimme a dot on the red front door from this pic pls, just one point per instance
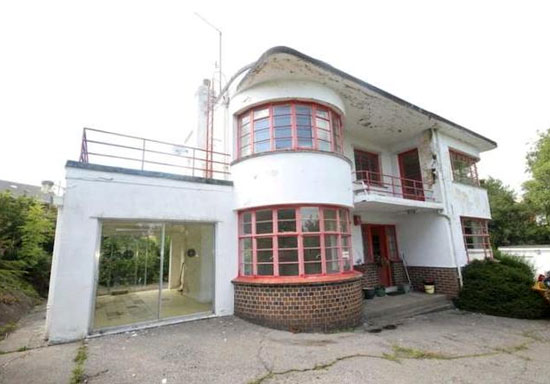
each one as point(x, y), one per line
point(379, 252)
point(411, 175)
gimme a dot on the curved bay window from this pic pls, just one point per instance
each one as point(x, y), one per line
point(289, 126)
point(294, 241)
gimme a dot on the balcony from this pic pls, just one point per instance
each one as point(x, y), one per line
point(137, 153)
point(387, 193)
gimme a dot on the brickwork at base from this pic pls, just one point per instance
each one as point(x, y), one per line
point(446, 279)
point(370, 273)
point(322, 306)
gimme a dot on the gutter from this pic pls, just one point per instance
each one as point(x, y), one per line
point(436, 143)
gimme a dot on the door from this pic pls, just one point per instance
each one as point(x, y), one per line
point(150, 271)
point(379, 253)
point(411, 175)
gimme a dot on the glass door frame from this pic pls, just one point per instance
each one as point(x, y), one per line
point(159, 320)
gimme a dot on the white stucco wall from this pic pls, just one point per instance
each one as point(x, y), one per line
point(285, 90)
point(93, 195)
point(292, 178)
point(539, 257)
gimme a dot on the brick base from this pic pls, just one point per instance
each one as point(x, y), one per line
point(446, 279)
point(370, 273)
point(309, 307)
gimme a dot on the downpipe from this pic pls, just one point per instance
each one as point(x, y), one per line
point(435, 140)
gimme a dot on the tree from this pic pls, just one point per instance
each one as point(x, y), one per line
point(26, 240)
point(513, 221)
point(537, 190)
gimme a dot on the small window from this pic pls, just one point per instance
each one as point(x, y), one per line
point(476, 238)
point(367, 167)
point(464, 168)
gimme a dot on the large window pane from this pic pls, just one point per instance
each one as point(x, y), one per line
point(265, 269)
point(288, 270)
point(310, 219)
point(312, 268)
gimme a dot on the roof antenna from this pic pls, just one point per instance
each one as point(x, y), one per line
point(220, 48)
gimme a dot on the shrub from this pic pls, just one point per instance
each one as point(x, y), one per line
point(502, 287)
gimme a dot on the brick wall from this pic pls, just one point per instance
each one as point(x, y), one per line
point(370, 274)
point(301, 308)
point(446, 279)
point(398, 273)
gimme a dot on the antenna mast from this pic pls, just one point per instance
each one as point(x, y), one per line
point(219, 48)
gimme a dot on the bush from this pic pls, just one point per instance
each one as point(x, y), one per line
point(502, 287)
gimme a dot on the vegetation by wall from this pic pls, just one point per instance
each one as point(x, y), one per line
point(502, 287)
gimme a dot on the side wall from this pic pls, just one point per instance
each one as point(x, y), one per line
point(94, 195)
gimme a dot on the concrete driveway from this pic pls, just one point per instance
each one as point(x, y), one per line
point(445, 347)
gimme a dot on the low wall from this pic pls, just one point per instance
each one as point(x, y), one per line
point(301, 307)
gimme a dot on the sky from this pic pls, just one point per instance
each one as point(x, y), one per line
point(134, 66)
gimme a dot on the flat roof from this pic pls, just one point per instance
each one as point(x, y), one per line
point(137, 172)
point(347, 76)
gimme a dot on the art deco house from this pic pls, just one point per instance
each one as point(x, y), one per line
point(299, 185)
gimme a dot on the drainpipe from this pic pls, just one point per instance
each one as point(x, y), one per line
point(435, 142)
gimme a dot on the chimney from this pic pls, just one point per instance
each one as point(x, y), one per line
point(47, 186)
point(201, 97)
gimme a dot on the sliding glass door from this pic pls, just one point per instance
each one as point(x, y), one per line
point(150, 271)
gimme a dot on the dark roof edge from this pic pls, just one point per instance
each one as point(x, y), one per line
point(136, 172)
point(330, 68)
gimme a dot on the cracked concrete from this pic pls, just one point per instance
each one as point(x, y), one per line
point(451, 346)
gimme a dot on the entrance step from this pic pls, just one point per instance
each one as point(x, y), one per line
point(382, 311)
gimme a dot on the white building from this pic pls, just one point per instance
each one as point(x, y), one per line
point(303, 185)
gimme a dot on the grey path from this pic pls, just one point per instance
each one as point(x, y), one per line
point(445, 347)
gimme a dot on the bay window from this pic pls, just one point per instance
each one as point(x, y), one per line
point(289, 126)
point(294, 241)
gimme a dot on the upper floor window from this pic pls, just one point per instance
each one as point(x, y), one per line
point(294, 241)
point(476, 238)
point(367, 167)
point(464, 168)
point(289, 125)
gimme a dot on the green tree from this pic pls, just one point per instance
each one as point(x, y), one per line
point(26, 241)
point(537, 189)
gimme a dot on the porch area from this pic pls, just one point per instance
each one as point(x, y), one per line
point(390, 310)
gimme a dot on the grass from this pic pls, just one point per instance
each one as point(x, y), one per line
point(78, 376)
point(7, 329)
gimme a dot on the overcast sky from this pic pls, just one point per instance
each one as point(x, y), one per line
point(133, 67)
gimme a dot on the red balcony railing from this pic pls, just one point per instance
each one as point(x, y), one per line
point(388, 185)
point(115, 149)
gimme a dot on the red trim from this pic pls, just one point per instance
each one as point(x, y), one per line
point(297, 280)
point(299, 235)
point(412, 189)
point(482, 237)
point(372, 176)
point(294, 140)
point(470, 162)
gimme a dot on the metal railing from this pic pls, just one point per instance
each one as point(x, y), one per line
point(120, 150)
point(388, 185)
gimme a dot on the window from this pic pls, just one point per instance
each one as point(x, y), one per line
point(287, 126)
point(476, 238)
point(464, 168)
point(294, 241)
point(367, 167)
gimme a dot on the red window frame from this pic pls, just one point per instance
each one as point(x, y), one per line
point(325, 124)
point(461, 161)
point(371, 176)
point(336, 227)
point(470, 238)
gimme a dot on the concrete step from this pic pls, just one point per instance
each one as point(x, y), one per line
point(386, 310)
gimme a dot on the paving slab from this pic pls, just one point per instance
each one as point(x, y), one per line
point(30, 332)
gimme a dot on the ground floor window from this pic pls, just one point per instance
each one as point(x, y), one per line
point(150, 271)
point(294, 241)
point(476, 238)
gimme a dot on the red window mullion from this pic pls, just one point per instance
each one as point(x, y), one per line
point(301, 269)
point(254, 248)
point(322, 240)
point(275, 240)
